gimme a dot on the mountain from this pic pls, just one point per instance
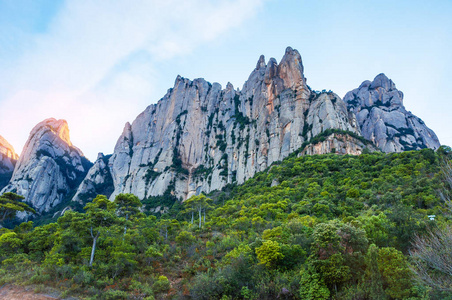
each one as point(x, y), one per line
point(50, 168)
point(383, 119)
point(200, 137)
point(8, 159)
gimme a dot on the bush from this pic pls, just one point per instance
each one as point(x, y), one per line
point(161, 285)
point(115, 295)
point(83, 277)
point(269, 253)
point(185, 238)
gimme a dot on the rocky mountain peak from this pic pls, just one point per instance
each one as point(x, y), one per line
point(382, 81)
point(383, 119)
point(49, 168)
point(59, 128)
point(229, 86)
point(291, 70)
point(261, 63)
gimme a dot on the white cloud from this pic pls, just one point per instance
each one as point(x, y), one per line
point(94, 65)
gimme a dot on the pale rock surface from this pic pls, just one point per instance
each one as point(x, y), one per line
point(383, 119)
point(98, 181)
point(49, 168)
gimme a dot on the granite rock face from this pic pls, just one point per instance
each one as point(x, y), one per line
point(200, 137)
point(49, 168)
point(98, 181)
point(383, 119)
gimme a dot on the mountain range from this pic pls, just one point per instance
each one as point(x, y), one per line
point(200, 137)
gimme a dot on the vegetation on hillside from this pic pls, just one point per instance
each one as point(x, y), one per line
point(310, 227)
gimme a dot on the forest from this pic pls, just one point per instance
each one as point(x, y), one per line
point(373, 226)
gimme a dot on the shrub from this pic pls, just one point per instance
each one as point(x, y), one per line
point(161, 285)
point(269, 253)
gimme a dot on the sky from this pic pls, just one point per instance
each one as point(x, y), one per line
point(98, 64)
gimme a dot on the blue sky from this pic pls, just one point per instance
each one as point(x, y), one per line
point(99, 65)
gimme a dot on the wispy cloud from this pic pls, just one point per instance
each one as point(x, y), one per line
point(94, 65)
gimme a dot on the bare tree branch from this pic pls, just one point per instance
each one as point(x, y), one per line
point(432, 258)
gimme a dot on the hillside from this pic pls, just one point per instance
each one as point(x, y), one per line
point(310, 227)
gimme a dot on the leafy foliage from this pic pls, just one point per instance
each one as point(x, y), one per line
point(10, 204)
point(311, 227)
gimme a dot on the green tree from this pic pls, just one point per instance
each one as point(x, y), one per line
point(185, 238)
point(10, 204)
point(100, 215)
point(372, 279)
point(167, 226)
point(396, 274)
point(337, 252)
point(200, 204)
point(269, 253)
point(127, 206)
point(10, 243)
point(41, 240)
point(312, 285)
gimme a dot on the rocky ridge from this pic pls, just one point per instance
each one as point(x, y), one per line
point(200, 137)
point(383, 119)
point(50, 168)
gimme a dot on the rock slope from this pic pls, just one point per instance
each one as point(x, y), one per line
point(50, 168)
point(383, 119)
point(200, 137)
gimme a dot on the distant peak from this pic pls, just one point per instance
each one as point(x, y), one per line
point(261, 62)
point(291, 54)
point(58, 127)
point(7, 149)
point(178, 79)
point(272, 62)
point(381, 80)
point(289, 50)
point(291, 68)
